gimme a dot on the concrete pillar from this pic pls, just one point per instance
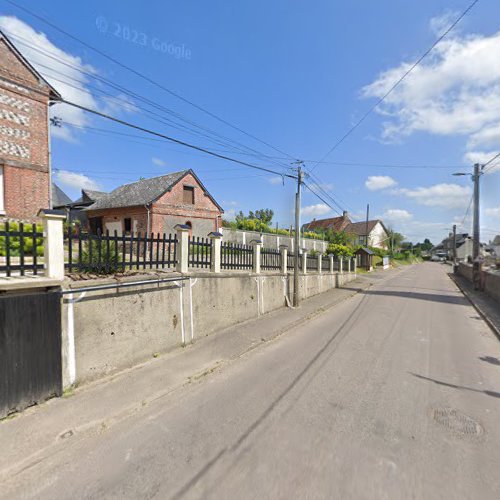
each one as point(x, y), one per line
point(53, 243)
point(284, 259)
point(216, 251)
point(257, 245)
point(341, 265)
point(304, 260)
point(354, 264)
point(320, 262)
point(331, 262)
point(182, 247)
point(349, 260)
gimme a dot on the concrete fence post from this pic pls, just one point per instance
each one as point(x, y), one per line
point(331, 262)
point(53, 243)
point(216, 239)
point(304, 260)
point(341, 265)
point(284, 259)
point(320, 262)
point(182, 247)
point(354, 263)
point(349, 260)
point(257, 245)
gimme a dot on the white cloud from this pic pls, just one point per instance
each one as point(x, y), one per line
point(64, 72)
point(275, 180)
point(316, 210)
point(397, 215)
point(158, 162)
point(439, 195)
point(454, 91)
point(493, 212)
point(75, 180)
point(376, 182)
point(483, 157)
point(17, 28)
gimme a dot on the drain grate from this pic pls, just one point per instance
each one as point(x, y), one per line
point(457, 421)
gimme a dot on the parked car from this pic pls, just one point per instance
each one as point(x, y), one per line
point(438, 258)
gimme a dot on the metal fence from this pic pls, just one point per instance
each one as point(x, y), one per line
point(105, 253)
point(21, 249)
point(312, 262)
point(200, 250)
point(325, 263)
point(270, 259)
point(236, 256)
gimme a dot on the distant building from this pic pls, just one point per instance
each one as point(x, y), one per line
point(25, 97)
point(463, 244)
point(377, 232)
point(157, 205)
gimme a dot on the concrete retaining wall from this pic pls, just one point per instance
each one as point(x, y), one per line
point(116, 329)
point(271, 240)
point(489, 279)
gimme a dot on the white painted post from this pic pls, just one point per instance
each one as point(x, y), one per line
point(257, 245)
point(216, 251)
point(349, 264)
point(354, 261)
point(331, 262)
point(304, 260)
point(341, 265)
point(320, 262)
point(284, 259)
point(182, 247)
point(53, 243)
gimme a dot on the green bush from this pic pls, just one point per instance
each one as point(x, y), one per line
point(15, 243)
point(90, 263)
point(340, 250)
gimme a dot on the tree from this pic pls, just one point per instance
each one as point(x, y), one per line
point(394, 239)
point(264, 215)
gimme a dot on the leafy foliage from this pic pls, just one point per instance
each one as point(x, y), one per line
point(340, 250)
point(15, 241)
point(109, 262)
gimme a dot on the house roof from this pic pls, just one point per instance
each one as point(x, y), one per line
point(59, 197)
point(144, 192)
point(88, 197)
point(364, 250)
point(53, 92)
point(335, 223)
point(496, 240)
point(359, 228)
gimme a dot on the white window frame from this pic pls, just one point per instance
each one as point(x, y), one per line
point(2, 197)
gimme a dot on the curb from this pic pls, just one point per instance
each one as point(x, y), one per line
point(483, 314)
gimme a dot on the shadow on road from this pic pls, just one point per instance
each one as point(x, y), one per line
point(493, 394)
point(490, 359)
point(445, 299)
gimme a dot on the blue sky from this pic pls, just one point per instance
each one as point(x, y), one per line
point(296, 75)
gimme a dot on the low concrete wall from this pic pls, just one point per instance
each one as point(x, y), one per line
point(271, 240)
point(115, 329)
point(489, 279)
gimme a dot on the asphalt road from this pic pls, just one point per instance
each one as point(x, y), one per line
point(394, 393)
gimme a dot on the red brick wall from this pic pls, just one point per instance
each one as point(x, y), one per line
point(113, 218)
point(23, 138)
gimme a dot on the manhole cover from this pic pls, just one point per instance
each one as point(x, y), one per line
point(457, 421)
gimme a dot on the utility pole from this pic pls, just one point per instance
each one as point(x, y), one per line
point(297, 237)
point(454, 248)
point(476, 266)
point(366, 226)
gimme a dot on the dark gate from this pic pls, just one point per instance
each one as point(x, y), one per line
point(30, 349)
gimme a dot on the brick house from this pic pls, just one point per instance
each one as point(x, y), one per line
point(377, 232)
point(25, 98)
point(157, 205)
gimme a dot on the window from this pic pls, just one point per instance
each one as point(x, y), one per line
point(127, 222)
point(188, 195)
point(2, 208)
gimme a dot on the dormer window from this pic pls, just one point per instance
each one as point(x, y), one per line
point(188, 195)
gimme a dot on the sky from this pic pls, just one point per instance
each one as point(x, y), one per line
point(272, 82)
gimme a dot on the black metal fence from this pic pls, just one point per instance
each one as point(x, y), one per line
point(270, 259)
point(236, 256)
point(312, 262)
point(105, 253)
point(21, 249)
point(325, 263)
point(200, 250)
point(290, 259)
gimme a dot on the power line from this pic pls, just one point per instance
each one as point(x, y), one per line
point(490, 161)
point(157, 134)
point(132, 94)
point(144, 77)
point(398, 82)
point(320, 197)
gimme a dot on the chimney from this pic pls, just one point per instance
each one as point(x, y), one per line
point(345, 214)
